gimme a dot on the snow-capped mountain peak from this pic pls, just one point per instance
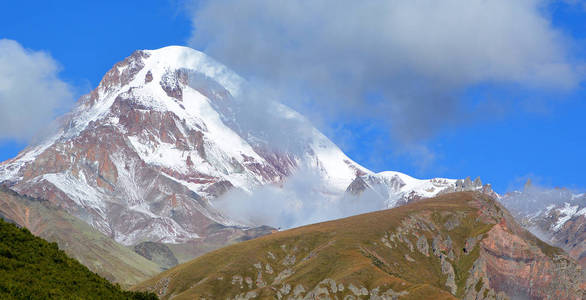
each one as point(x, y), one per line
point(144, 156)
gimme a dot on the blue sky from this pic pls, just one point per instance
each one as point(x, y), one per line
point(526, 132)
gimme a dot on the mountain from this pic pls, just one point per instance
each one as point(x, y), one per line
point(143, 157)
point(32, 268)
point(80, 241)
point(557, 216)
point(396, 188)
point(457, 245)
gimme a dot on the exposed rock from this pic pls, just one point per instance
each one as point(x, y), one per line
point(422, 245)
point(468, 183)
point(477, 182)
point(268, 269)
point(452, 222)
point(237, 280)
point(439, 246)
point(477, 285)
point(148, 77)
point(158, 253)
point(282, 275)
point(289, 260)
point(259, 282)
point(171, 83)
point(331, 284)
point(408, 243)
point(459, 184)
point(448, 269)
point(299, 290)
point(285, 289)
point(357, 186)
point(358, 291)
point(519, 268)
point(246, 296)
point(470, 243)
point(161, 287)
point(248, 281)
point(387, 295)
point(451, 255)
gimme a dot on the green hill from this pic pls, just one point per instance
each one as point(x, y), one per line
point(32, 268)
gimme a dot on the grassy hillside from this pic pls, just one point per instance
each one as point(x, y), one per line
point(32, 268)
point(352, 255)
point(93, 249)
point(460, 245)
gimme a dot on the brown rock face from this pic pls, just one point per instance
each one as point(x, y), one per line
point(571, 236)
point(523, 270)
point(557, 216)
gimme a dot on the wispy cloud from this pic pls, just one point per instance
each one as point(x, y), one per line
point(31, 93)
point(303, 199)
point(534, 198)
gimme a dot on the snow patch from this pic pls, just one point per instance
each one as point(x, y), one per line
point(566, 213)
point(78, 190)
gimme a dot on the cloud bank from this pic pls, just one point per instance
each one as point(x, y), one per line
point(31, 93)
point(302, 199)
point(402, 62)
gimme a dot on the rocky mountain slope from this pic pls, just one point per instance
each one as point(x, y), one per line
point(557, 216)
point(143, 156)
point(457, 245)
point(80, 241)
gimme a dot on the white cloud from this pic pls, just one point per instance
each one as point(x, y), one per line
point(402, 61)
point(31, 93)
point(302, 199)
